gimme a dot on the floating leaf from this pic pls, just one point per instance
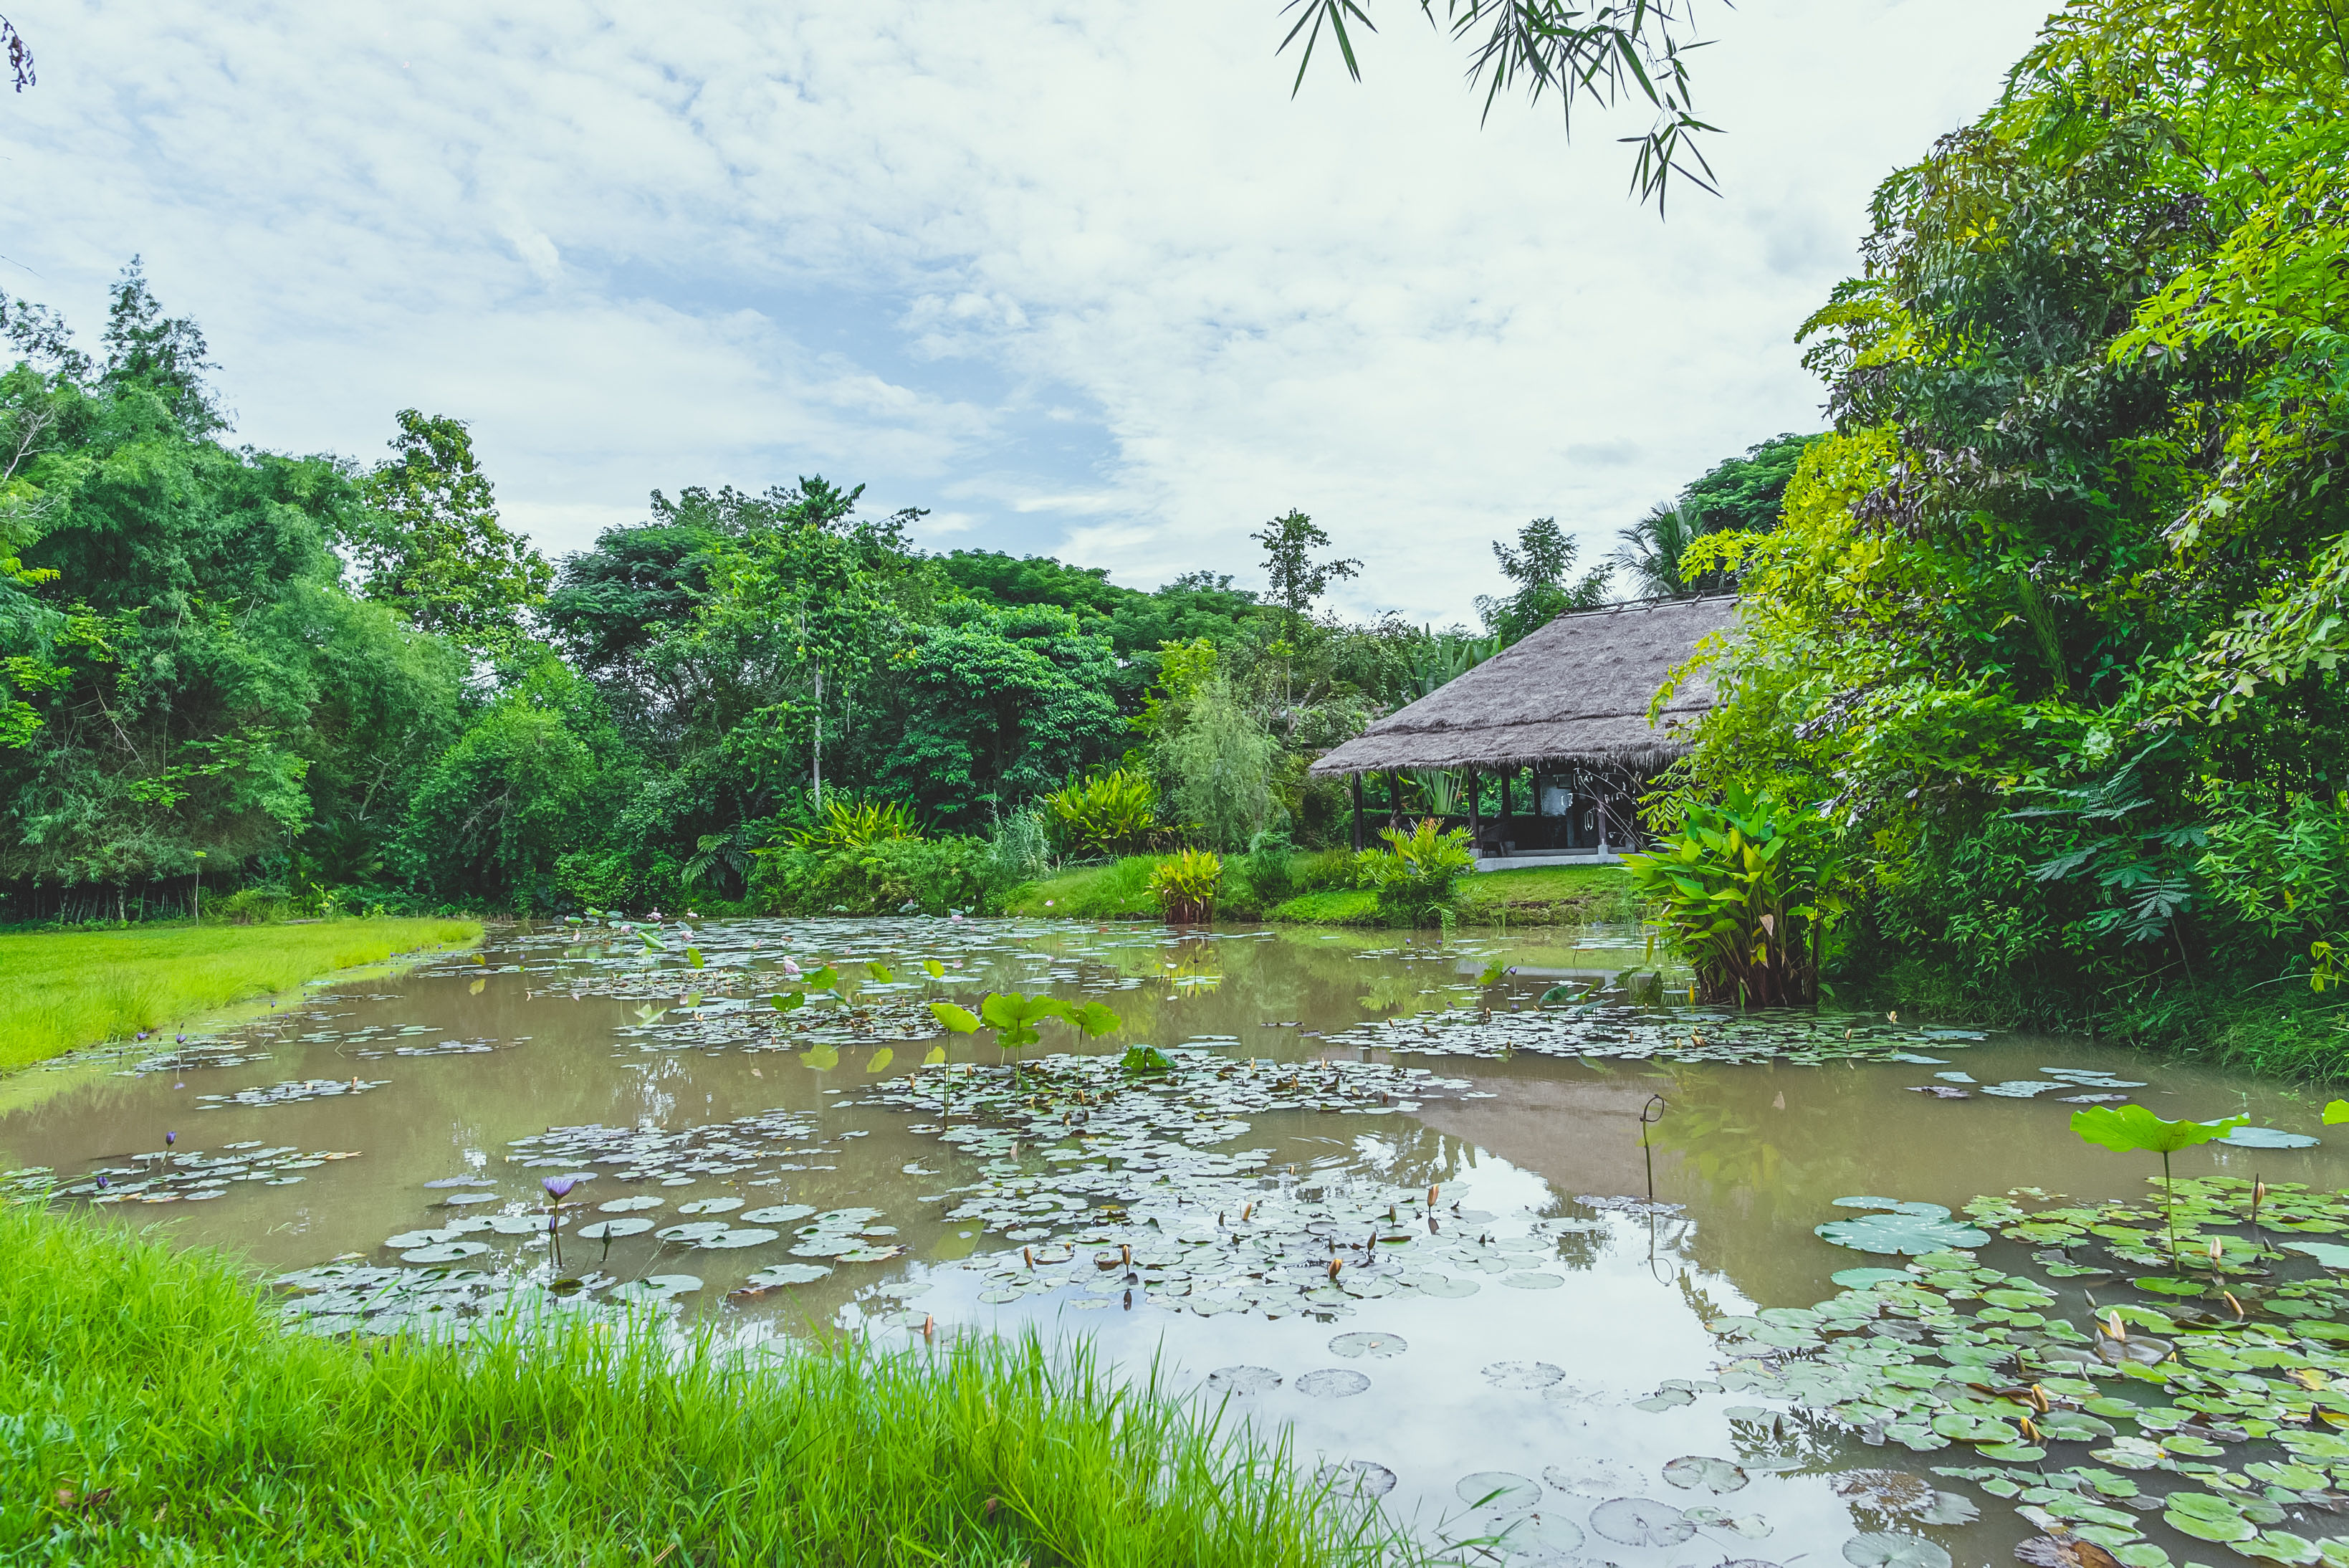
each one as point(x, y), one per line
point(1906, 1228)
point(2267, 1137)
point(1693, 1472)
point(1497, 1491)
point(1333, 1382)
point(1644, 1521)
point(1362, 1344)
point(2133, 1128)
point(710, 1206)
point(1888, 1549)
point(1243, 1380)
point(1521, 1374)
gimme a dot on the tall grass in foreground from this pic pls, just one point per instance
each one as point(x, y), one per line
point(59, 990)
point(150, 1412)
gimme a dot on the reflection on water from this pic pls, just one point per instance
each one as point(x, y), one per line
point(1439, 1267)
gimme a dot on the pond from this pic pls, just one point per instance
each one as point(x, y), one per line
point(1387, 1198)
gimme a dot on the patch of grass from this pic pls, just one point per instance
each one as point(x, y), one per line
point(59, 990)
point(1117, 890)
point(1550, 895)
point(152, 1412)
point(1331, 906)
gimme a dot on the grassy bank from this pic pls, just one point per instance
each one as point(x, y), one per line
point(63, 989)
point(157, 1415)
point(1321, 894)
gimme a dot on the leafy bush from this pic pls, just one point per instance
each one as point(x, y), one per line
point(1268, 870)
point(887, 876)
point(1020, 848)
point(1744, 889)
point(850, 824)
point(251, 906)
point(1415, 874)
point(1185, 884)
point(1113, 812)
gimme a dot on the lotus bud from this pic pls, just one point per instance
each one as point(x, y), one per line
point(1334, 1266)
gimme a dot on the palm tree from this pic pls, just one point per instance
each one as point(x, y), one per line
point(1652, 548)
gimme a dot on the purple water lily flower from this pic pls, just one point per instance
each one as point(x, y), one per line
point(179, 1039)
point(169, 1138)
point(102, 1182)
point(559, 1187)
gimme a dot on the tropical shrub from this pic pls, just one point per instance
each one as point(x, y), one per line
point(1113, 812)
point(884, 877)
point(1185, 884)
point(850, 823)
point(1744, 890)
point(1415, 876)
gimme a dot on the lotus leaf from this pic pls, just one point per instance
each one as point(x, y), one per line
point(2132, 1129)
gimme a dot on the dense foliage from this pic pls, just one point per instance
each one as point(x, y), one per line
point(2050, 630)
point(303, 684)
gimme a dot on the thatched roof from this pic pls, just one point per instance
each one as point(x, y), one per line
point(1576, 691)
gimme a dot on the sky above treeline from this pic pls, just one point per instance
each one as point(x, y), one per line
point(1082, 278)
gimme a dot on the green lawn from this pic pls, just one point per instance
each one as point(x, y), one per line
point(164, 1418)
point(63, 989)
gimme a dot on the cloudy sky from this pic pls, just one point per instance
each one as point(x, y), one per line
point(1080, 277)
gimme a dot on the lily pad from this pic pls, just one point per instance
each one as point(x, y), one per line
point(1903, 1227)
point(710, 1206)
point(1523, 1375)
point(1333, 1382)
point(612, 1229)
point(445, 1252)
point(1890, 1549)
point(1365, 1343)
point(1498, 1491)
point(1694, 1472)
point(630, 1205)
point(1243, 1380)
point(1357, 1478)
point(1643, 1521)
point(789, 1275)
point(1592, 1478)
point(693, 1231)
point(2267, 1137)
point(777, 1214)
point(741, 1236)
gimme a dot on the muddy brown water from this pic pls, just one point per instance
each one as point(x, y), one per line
point(1554, 1381)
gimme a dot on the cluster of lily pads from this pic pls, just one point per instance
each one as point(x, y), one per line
point(353, 1298)
point(290, 1091)
point(169, 1174)
point(2088, 1087)
point(2198, 1389)
point(1607, 1023)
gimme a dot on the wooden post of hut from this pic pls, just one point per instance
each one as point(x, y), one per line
point(1357, 782)
point(1394, 799)
point(1476, 814)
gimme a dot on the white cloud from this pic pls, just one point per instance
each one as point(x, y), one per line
point(1075, 266)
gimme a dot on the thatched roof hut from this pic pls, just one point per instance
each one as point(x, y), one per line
point(1576, 692)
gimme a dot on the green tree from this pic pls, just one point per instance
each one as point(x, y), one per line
point(1541, 563)
point(1297, 578)
point(1596, 56)
point(430, 543)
